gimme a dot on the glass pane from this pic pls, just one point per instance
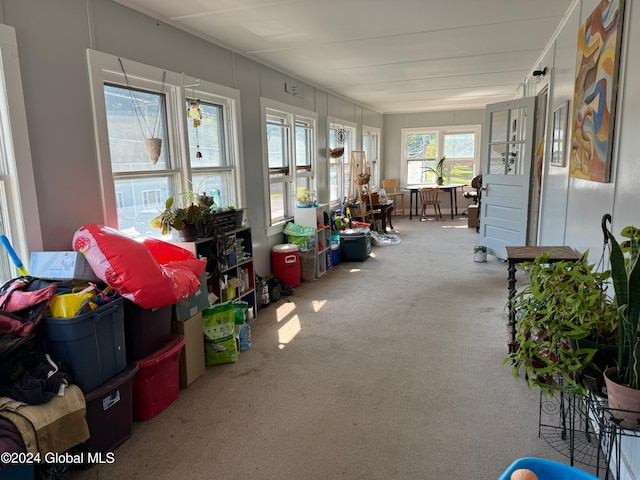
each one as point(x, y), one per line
point(508, 137)
point(302, 184)
point(216, 184)
point(334, 181)
point(132, 116)
point(138, 201)
point(276, 199)
point(459, 145)
point(499, 126)
point(422, 145)
point(345, 181)
point(208, 137)
point(415, 172)
point(303, 146)
point(276, 146)
point(460, 171)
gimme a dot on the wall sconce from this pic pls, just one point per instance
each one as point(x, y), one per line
point(539, 74)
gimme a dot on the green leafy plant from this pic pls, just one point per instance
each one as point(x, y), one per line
point(196, 211)
point(625, 270)
point(438, 170)
point(306, 197)
point(565, 301)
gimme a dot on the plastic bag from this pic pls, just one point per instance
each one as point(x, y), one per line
point(149, 272)
point(218, 325)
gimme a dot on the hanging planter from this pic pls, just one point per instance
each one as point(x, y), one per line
point(152, 143)
point(153, 147)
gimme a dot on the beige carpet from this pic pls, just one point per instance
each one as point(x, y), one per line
point(383, 369)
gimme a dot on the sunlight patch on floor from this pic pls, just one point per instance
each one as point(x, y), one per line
point(288, 331)
point(285, 310)
point(318, 304)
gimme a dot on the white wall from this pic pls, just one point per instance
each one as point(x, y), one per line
point(572, 208)
point(392, 142)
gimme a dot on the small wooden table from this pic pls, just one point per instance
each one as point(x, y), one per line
point(384, 215)
point(445, 187)
point(528, 254)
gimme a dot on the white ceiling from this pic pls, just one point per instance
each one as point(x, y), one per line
point(390, 55)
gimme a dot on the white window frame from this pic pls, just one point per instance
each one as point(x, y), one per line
point(290, 116)
point(106, 68)
point(373, 152)
point(18, 199)
point(342, 164)
point(441, 132)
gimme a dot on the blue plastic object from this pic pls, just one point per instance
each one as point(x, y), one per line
point(547, 470)
point(13, 255)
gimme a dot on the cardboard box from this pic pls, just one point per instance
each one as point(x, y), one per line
point(192, 363)
point(472, 221)
point(198, 301)
point(61, 266)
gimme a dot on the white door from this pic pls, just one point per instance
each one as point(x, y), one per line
point(507, 146)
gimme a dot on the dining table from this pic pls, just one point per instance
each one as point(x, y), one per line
point(445, 187)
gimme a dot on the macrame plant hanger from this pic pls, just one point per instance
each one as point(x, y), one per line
point(195, 114)
point(152, 143)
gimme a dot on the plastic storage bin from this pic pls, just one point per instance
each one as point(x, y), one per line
point(145, 329)
point(355, 244)
point(335, 254)
point(547, 470)
point(110, 413)
point(156, 384)
point(285, 260)
point(92, 345)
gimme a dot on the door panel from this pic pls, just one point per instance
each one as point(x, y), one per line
point(507, 148)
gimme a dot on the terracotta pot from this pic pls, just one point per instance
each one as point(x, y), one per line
point(624, 402)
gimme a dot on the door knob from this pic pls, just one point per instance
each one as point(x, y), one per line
point(483, 188)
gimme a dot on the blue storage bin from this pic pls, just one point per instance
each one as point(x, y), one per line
point(547, 470)
point(91, 345)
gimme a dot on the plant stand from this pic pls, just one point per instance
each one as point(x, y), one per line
point(587, 431)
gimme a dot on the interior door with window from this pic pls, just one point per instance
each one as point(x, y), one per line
point(507, 147)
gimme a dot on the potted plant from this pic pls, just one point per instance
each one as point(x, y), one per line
point(438, 170)
point(564, 304)
point(623, 384)
point(306, 198)
point(190, 221)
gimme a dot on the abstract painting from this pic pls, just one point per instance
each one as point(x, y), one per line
point(594, 97)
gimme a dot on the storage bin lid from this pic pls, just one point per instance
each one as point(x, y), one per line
point(285, 248)
point(350, 232)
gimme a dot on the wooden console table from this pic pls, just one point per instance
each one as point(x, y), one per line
point(517, 255)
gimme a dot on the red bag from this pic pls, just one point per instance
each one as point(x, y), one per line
point(151, 273)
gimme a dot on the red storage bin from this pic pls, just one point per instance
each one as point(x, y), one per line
point(285, 260)
point(157, 382)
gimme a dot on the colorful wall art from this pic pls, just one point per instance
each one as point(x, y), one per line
point(594, 98)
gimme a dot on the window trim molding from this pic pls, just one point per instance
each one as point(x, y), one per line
point(285, 109)
point(19, 178)
point(104, 67)
point(358, 143)
point(476, 127)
